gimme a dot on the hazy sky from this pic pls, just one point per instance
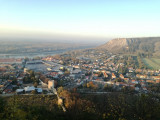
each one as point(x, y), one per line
point(79, 18)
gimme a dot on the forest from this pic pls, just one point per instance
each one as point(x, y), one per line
point(115, 106)
point(144, 47)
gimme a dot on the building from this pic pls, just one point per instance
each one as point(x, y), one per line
point(39, 90)
point(121, 76)
point(50, 84)
point(34, 62)
point(25, 70)
point(10, 61)
point(20, 91)
point(29, 89)
point(113, 76)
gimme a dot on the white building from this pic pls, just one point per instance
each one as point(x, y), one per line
point(39, 90)
point(25, 70)
point(18, 91)
point(29, 89)
point(50, 84)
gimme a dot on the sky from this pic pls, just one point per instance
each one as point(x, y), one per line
point(79, 19)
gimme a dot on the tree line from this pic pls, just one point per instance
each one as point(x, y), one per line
point(115, 106)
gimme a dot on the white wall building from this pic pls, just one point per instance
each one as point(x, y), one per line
point(50, 84)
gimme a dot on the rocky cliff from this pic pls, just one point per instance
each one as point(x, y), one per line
point(132, 45)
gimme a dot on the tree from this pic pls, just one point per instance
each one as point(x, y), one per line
point(55, 83)
point(100, 74)
point(34, 92)
point(138, 85)
point(2, 105)
point(42, 77)
point(32, 74)
point(35, 84)
point(60, 89)
point(46, 80)
point(66, 72)
point(14, 81)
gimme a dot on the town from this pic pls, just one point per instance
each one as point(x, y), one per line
point(87, 71)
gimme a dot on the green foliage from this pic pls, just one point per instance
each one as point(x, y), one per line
point(113, 106)
point(152, 63)
point(122, 70)
point(108, 88)
point(141, 63)
point(35, 84)
point(154, 88)
point(31, 78)
point(126, 107)
point(144, 47)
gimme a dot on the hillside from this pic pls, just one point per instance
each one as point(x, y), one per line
point(149, 45)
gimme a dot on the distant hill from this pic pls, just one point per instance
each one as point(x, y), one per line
point(150, 45)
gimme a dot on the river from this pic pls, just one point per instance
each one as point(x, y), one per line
point(30, 55)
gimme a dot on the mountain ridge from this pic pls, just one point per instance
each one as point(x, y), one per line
point(133, 45)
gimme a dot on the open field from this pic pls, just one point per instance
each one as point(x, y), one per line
point(152, 63)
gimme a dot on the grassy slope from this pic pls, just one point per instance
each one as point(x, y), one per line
point(152, 63)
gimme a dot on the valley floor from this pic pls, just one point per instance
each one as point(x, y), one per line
point(152, 63)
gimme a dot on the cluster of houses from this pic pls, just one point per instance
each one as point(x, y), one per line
point(136, 79)
point(105, 71)
point(12, 77)
point(97, 67)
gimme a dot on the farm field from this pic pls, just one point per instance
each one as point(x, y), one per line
point(152, 63)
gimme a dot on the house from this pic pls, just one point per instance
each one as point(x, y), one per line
point(8, 89)
point(76, 71)
point(157, 81)
point(150, 81)
point(134, 81)
point(96, 74)
point(76, 66)
point(108, 72)
point(139, 70)
point(130, 69)
point(126, 79)
point(72, 75)
point(144, 88)
point(70, 69)
point(1, 86)
point(48, 59)
point(142, 84)
point(20, 91)
point(113, 76)
point(136, 88)
point(11, 61)
point(121, 76)
point(104, 73)
point(141, 76)
point(131, 84)
point(156, 77)
point(20, 82)
point(39, 90)
point(117, 83)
